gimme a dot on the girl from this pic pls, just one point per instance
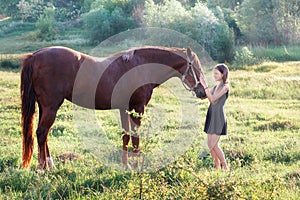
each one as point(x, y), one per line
point(215, 123)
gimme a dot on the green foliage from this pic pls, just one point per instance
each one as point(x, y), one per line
point(14, 27)
point(97, 25)
point(163, 15)
point(69, 10)
point(9, 61)
point(45, 25)
point(242, 58)
point(239, 21)
point(250, 55)
point(9, 8)
point(277, 53)
point(208, 29)
point(270, 22)
point(230, 4)
point(111, 5)
point(30, 11)
point(262, 147)
point(223, 44)
point(277, 125)
point(8, 64)
point(101, 23)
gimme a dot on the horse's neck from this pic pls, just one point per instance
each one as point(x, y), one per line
point(173, 59)
point(165, 65)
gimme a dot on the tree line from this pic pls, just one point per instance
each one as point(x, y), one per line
point(218, 25)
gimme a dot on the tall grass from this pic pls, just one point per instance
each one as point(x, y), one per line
point(277, 53)
point(262, 147)
point(10, 61)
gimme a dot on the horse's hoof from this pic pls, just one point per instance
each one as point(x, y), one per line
point(127, 167)
point(50, 163)
point(40, 171)
point(135, 153)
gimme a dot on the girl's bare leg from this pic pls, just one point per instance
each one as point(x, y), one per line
point(220, 154)
point(211, 141)
point(216, 151)
point(216, 159)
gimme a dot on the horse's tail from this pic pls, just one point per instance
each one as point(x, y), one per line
point(28, 99)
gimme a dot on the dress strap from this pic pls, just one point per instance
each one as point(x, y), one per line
point(214, 89)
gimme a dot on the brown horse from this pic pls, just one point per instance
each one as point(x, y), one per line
point(50, 75)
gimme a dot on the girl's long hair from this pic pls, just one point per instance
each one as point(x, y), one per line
point(224, 70)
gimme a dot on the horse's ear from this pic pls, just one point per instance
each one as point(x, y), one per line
point(189, 54)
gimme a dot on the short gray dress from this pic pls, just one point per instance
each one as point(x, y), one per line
point(215, 122)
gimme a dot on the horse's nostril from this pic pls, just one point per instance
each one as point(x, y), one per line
point(200, 93)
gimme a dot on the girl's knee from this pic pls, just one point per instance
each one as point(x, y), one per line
point(212, 141)
point(211, 145)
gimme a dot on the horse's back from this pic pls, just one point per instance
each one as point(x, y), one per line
point(54, 70)
point(57, 56)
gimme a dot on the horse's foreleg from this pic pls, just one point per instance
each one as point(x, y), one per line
point(135, 139)
point(125, 136)
point(126, 139)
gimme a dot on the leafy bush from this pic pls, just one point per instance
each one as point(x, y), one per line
point(242, 58)
point(8, 64)
point(8, 162)
point(100, 23)
point(45, 26)
point(10, 61)
point(199, 23)
point(68, 10)
point(241, 157)
point(9, 8)
point(97, 25)
point(31, 11)
point(269, 22)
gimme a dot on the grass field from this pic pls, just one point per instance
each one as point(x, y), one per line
point(262, 147)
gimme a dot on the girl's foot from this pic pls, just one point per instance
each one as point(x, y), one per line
point(224, 166)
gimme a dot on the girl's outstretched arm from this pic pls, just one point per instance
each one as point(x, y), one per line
point(217, 94)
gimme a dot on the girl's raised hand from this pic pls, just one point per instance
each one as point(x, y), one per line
point(203, 81)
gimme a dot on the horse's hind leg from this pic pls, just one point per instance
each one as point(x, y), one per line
point(46, 120)
point(48, 156)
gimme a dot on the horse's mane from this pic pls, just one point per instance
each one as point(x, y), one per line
point(130, 52)
point(172, 49)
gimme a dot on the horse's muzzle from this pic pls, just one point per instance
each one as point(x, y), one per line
point(200, 92)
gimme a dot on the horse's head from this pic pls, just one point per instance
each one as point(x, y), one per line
point(191, 76)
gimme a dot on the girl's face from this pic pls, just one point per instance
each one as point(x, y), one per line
point(218, 75)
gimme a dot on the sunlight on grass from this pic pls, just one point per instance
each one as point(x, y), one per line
point(262, 146)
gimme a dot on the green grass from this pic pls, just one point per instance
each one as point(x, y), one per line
point(279, 53)
point(17, 37)
point(262, 147)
